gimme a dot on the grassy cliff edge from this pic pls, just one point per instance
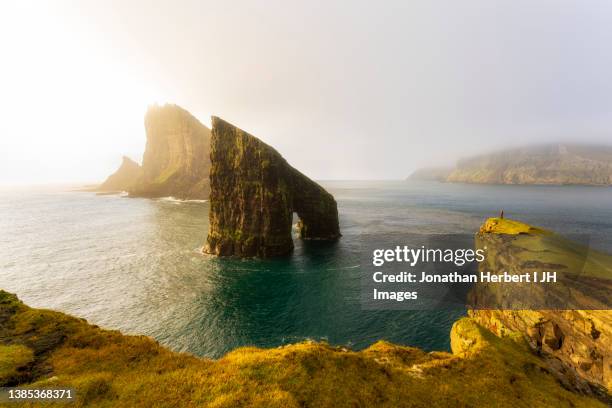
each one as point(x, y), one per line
point(572, 326)
point(42, 348)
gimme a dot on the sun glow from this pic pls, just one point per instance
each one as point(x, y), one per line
point(68, 97)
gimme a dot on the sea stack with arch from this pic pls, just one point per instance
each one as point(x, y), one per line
point(253, 195)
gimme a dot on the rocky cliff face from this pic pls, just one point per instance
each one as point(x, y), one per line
point(551, 164)
point(254, 193)
point(176, 161)
point(124, 178)
point(576, 344)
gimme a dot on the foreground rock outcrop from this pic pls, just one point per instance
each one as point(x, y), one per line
point(46, 349)
point(576, 344)
point(176, 161)
point(124, 178)
point(556, 164)
point(254, 193)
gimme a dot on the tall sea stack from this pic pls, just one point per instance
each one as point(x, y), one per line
point(254, 193)
point(176, 161)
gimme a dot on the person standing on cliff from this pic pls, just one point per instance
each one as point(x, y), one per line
point(501, 214)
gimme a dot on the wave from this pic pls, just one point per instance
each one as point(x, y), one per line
point(172, 199)
point(112, 193)
point(344, 267)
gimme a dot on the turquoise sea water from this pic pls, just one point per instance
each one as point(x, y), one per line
point(134, 264)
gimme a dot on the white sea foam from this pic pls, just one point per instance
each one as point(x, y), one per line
point(179, 201)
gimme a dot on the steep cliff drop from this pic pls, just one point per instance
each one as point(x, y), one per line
point(124, 178)
point(176, 161)
point(254, 193)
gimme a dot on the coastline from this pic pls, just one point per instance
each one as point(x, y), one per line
point(50, 349)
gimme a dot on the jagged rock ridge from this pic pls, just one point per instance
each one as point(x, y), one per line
point(176, 161)
point(254, 193)
point(124, 178)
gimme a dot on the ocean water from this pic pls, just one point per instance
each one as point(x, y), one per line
point(135, 265)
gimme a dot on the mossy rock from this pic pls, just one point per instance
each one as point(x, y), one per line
point(511, 227)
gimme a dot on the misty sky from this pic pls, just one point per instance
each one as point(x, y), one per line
point(343, 89)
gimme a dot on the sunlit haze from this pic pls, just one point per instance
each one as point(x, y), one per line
point(343, 89)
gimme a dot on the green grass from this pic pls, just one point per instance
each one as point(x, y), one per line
point(109, 369)
point(13, 360)
point(498, 225)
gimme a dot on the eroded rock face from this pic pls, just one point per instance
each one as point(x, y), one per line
point(176, 161)
point(124, 178)
point(254, 193)
point(577, 344)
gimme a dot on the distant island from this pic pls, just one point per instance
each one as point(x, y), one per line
point(554, 164)
point(431, 174)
